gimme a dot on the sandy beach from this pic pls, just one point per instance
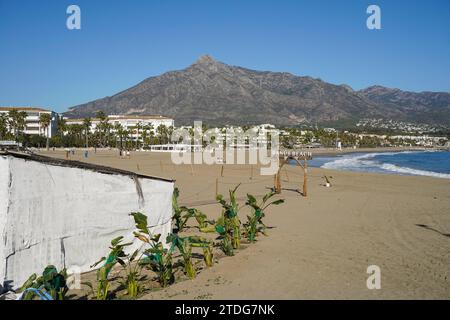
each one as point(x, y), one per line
point(320, 246)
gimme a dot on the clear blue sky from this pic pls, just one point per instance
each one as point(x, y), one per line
point(123, 42)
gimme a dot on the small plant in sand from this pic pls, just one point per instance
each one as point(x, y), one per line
point(52, 281)
point(178, 216)
point(181, 216)
point(204, 225)
point(160, 261)
point(117, 255)
point(254, 223)
point(183, 245)
point(228, 226)
point(206, 245)
point(133, 270)
point(158, 257)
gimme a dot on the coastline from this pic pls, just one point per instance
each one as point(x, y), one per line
point(333, 152)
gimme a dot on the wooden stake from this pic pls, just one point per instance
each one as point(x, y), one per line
point(305, 178)
point(251, 173)
point(217, 187)
point(287, 176)
point(221, 172)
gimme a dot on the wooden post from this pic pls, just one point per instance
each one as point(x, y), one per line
point(221, 172)
point(217, 187)
point(286, 173)
point(275, 183)
point(305, 178)
point(278, 183)
point(251, 173)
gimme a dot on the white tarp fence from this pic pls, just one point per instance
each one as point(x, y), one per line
point(67, 216)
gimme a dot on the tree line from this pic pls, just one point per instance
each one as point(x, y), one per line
point(106, 134)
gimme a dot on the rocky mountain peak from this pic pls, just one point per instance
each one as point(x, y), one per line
point(205, 59)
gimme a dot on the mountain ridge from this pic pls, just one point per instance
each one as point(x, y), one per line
point(221, 94)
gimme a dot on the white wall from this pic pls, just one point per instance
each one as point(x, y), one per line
point(68, 216)
point(4, 181)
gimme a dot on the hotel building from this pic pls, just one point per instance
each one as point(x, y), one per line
point(128, 123)
point(32, 123)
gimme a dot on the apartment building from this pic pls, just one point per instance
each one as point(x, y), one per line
point(32, 124)
point(129, 123)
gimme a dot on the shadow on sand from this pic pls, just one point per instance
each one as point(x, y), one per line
point(432, 229)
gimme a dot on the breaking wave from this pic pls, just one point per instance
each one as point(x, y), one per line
point(388, 162)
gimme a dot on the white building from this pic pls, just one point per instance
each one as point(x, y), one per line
point(32, 124)
point(129, 123)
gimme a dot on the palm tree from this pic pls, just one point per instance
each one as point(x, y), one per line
point(3, 126)
point(162, 132)
point(119, 130)
point(12, 122)
point(169, 134)
point(125, 134)
point(45, 120)
point(151, 130)
point(17, 121)
point(62, 126)
point(87, 126)
point(108, 135)
point(101, 127)
point(145, 129)
point(138, 126)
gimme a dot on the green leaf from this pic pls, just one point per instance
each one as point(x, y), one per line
point(155, 238)
point(141, 221)
point(277, 202)
point(251, 199)
point(268, 196)
point(98, 262)
point(220, 229)
point(134, 255)
point(116, 241)
point(258, 213)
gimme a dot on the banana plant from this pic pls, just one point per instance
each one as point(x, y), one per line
point(182, 214)
point(224, 230)
point(204, 225)
point(206, 245)
point(160, 261)
point(178, 216)
point(133, 270)
point(52, 281)
point(157, 257)
point(116, 256)
point(228, 225)
point(183, 245)
point(254, 223)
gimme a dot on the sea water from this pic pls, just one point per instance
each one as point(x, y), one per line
point(423, 163)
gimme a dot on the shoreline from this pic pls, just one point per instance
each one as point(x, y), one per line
point(333, 152)
point(355, 162)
